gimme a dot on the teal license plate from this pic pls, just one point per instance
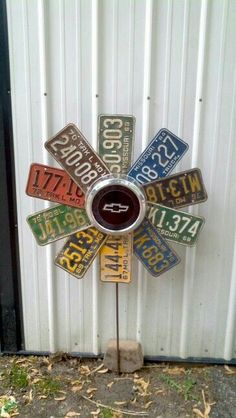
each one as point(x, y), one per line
point(152, 250)
point(57, 222)
point(174, 225)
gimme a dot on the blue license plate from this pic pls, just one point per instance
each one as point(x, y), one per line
point(159, 158)
point(152, 250)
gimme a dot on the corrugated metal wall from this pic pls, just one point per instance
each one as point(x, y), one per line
point(171, 63)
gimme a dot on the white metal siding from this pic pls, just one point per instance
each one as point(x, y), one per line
point(171, 63)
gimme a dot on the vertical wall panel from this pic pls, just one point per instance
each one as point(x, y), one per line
point(170, 63)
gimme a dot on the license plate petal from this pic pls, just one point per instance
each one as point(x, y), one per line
point(115, 141)
point(53, 184)
point(79, 251)
point(116, 259)
point(153, 250)
point(71, 150)
point(179, 190)
point(159, 158)
point(174, 225)
point(52, 224)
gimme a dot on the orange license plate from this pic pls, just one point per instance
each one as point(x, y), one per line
point(53, 184)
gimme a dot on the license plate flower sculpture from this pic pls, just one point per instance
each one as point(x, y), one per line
point(107, 204)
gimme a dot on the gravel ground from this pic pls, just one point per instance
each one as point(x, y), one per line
point(57, 386)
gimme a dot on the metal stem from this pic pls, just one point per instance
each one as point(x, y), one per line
point(117, 328)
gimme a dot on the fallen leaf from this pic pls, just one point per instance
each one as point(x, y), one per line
point(62, 398)
point(77, 388)
point(76, 382)
point(207, 406)
point(142, 386)
point(42, 397)
point(97, 368)
point(84, 370)
point(50, 367)
point(5, 414)
point(146, 406)
point(159, 391)
point(103, 371)
point(198, 413)
point(36, 380)
point(95, 413)
point(21, 360)
point(229, 370)
point(35, 371)
point(90, 390)
point(45, 360)
point(174, 370)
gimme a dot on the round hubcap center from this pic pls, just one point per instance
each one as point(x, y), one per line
point(116, 204)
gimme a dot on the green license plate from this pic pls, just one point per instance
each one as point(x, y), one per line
point(175, 225)
point(115, 141)
point(58, 222)
point(79, 251)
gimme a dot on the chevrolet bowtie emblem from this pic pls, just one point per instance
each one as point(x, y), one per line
point(115, 207)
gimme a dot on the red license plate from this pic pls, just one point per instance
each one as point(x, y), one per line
point(53, 184)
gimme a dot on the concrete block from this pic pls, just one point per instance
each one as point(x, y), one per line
point(131, 356)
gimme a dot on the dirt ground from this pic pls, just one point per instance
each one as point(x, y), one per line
point(57, 386)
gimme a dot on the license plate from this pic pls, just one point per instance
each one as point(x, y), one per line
point(174, 225)
point(179, 190)
point(71, 150)
point(152, 250)
point(159, 158)
point(115, 143)
point(53, 184)
point(58, 222)
point(79, 251)
point(115, 138)
point(116, 259)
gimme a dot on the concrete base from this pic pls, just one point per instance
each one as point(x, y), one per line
point(131, 356)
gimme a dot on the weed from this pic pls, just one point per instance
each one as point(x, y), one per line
point(183, 388)
point(106, 413)
point(8, 405)
point(48, 386)
point(16, 377)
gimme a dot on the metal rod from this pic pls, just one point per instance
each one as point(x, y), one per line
point(117, 329)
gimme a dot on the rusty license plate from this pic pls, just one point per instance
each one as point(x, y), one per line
point(179, 190)
point(159, 158)
point(115, 140)
point(71, 150)
point(116, 259)
point(53, 184)
point(58, 222)
point(175, 225)
point(153, 250)
point(79, 251)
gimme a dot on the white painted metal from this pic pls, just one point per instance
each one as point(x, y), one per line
point(171, 63)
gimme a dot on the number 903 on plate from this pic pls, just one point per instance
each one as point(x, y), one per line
point(152, 250)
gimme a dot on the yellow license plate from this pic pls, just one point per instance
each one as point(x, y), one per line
point(116, 259)
point(79, 251)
